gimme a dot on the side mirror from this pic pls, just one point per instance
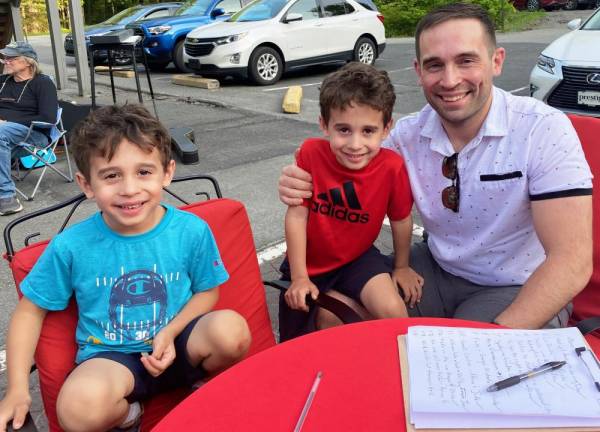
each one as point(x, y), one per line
point(574, 24)
point(291, 17)
point(217, 12)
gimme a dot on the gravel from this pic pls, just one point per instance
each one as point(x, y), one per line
point(558, 19)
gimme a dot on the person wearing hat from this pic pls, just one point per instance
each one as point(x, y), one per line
point(26, 95)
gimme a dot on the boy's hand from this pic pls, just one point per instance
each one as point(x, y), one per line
point(163, 353)
point(295, 296)
point(15, 407)
point(411, 284)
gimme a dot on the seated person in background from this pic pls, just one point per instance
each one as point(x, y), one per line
point(330, 237)
point(500, 181)
point(26, 95)
point(145, 276)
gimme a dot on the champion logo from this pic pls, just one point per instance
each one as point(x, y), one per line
point(333, 204)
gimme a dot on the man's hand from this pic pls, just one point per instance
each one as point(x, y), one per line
point(15, 407)
point(163, 353)
point(295, 184)
point(295, 296)
point(411, 284)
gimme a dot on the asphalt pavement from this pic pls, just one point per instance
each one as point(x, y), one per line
point(243, 140)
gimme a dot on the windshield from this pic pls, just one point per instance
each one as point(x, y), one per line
point(593, 23)
point(125, 16)
point(194, 7)
point(259, 10)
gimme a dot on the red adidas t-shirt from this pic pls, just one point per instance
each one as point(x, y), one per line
point(347, 209)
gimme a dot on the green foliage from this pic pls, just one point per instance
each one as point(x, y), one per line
point(402, 16)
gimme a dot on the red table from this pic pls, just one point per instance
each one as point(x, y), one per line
point(360, 389)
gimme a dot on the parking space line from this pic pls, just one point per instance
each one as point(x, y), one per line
point(287, 87)
point(2, 360)
point(518, 90)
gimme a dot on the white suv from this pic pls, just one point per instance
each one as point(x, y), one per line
point(268, 37)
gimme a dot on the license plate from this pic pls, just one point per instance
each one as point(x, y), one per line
point(590, 98)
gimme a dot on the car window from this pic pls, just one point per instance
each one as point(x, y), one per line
point(194, 7)
point(593, 23)
point(157, 13)
point(230, 6)
point(335, 7)
point(259, 10)
point(124, 16)
point(309, 9)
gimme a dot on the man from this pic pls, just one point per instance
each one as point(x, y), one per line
point(500, 182)
point(26, 95)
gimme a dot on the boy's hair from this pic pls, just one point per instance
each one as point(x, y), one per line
point(101, 132)
point(357, 83)
point(455, 11)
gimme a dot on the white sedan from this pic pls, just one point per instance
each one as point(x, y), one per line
point(268, 37)
point(567, 73)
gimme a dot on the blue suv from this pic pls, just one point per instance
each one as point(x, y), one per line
point(163, 38)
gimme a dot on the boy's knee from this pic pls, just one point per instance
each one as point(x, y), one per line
point(231, 334)
point(395, 308)
point(82, 405)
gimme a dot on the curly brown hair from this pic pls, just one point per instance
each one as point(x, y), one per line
point(101, 132)
point(357, 83)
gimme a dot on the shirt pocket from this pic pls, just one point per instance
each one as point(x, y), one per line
point(502, 181)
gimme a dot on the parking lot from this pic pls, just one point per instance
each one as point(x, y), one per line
point(244, 138)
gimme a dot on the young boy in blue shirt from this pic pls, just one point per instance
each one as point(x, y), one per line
point(145, 276)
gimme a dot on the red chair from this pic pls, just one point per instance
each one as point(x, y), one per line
point(586, 312)
point(243, 292)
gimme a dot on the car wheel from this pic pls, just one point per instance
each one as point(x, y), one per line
point(571, 5)
point(178, 58)
point(365, 51)
point(265, 66)
point(533, 5)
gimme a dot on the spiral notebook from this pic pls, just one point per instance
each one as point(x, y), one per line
point(446, 370)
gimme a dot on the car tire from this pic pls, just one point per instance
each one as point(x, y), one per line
point(178, 58)
point(532, 5)
point(571, 5)
point(365, 51)
point(265, 66)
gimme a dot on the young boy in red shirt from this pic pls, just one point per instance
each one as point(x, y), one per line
point(356, 184)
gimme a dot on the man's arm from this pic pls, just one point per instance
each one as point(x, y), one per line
point(23, 334)
point(564, 227)
point(295, 184)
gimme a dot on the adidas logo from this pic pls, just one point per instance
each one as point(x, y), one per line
point(333, 204)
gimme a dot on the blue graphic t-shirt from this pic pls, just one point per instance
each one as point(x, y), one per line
point(127, 288)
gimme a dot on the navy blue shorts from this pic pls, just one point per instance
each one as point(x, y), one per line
point(180, 374)
point(349, 279)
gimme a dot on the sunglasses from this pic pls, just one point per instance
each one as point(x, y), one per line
point(451, 194)
point(7, 60)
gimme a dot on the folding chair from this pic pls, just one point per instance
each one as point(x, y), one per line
point(27, 157)
point(244, 292)
point(586, 305)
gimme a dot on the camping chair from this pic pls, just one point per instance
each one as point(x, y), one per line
point(27, 157)
point(243, 292)
point(586, 305)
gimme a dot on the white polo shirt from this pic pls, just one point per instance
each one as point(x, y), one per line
point(524, 151)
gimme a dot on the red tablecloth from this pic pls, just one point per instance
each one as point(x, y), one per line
point(360, 389)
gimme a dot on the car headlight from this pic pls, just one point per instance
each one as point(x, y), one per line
point(159, 29)
point(232, 38)
point(546, 64)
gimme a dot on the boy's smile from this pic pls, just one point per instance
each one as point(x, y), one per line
point(355, 134)
point(128, 188)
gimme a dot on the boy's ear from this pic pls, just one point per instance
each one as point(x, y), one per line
point(169, 173)
point(84, 185)
point(387, 128)
point(323, 126)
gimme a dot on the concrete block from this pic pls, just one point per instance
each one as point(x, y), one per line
point(195, 81)
point(103, 70)
point(292, 100)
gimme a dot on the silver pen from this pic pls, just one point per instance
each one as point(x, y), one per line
point(508, 382)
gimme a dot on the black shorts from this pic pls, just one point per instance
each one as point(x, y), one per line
point(349, 279)
point(180, 374)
